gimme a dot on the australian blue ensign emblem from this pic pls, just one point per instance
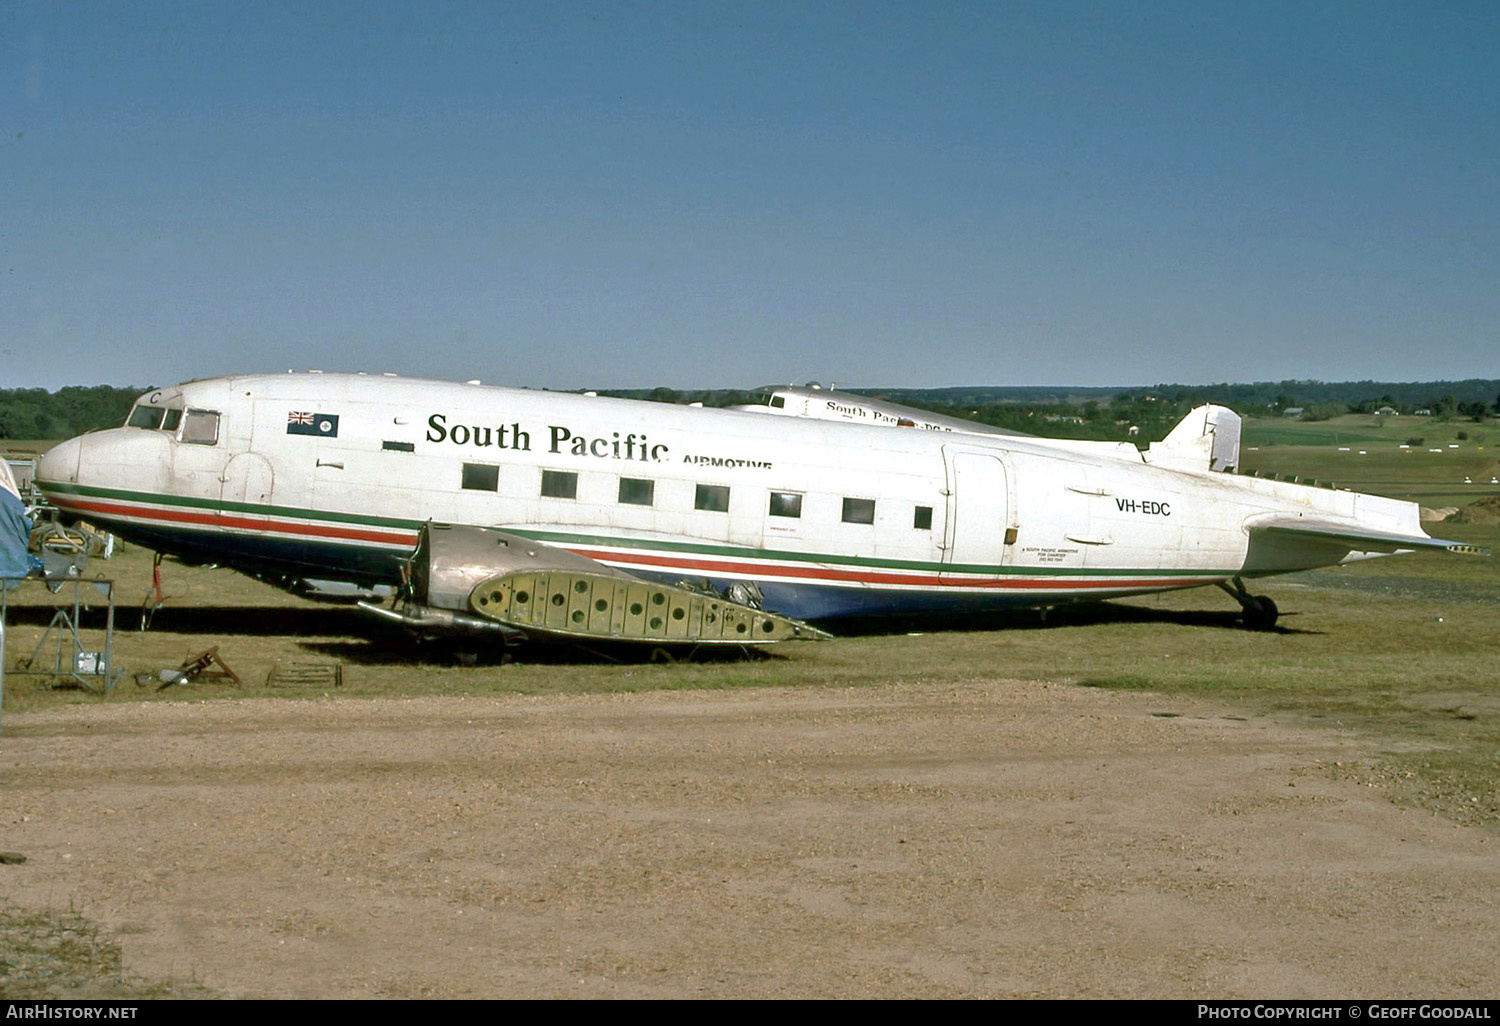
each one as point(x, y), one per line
point(325, 425)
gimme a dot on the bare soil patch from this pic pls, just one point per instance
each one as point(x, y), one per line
point(1481, 511)
point(993, 838)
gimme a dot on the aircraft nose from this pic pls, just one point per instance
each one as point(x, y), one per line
point(60, 463)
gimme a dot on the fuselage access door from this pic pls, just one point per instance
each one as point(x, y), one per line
point(979, 504)
point(245, 492)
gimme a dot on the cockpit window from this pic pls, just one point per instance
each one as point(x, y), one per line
point(201, 427)
point(143, 416)
point(154, 418)
point(765, 398)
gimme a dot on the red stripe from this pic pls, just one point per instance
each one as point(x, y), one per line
point(403, 538)
point(876, 577)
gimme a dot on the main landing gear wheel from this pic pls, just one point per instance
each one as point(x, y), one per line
point(1259, 612)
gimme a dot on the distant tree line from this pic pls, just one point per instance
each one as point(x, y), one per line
point(35, 413)
point(1125, 417)
point(1475, 398)
point(680, 397)
point(1442, 398)
point(1147, 414)
point(1254, 398)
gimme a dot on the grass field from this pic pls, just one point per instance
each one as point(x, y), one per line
point(1366, 453)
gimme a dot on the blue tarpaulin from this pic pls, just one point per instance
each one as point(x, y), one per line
point(15, 528)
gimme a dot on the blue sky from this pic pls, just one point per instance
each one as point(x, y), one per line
point(713, 194)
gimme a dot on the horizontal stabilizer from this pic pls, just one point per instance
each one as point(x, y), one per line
point(1362, 539)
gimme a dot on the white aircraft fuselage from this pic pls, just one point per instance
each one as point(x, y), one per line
point(331, 476)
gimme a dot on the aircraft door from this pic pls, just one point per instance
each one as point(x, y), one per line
point(247, 486)
point(978, 508)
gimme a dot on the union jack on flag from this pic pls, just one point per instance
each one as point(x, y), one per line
point(324, 425)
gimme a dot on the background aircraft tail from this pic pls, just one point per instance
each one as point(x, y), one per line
point(1208, 438)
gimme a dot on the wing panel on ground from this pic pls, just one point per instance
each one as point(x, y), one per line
point(486, 577)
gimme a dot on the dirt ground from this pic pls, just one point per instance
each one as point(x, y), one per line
point(1000, 838)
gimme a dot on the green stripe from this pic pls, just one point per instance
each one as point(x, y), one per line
point(650, 544)
point(254, 509)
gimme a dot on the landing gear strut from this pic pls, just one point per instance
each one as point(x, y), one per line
point(1259, 612)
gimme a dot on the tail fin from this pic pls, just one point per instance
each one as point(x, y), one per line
point(1207, 438)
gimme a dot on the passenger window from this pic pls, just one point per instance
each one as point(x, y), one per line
point(859, 511)
point(145, 417)
point(637, 491)
point(923, 520)
point(786, 504)
point(201, 427)
point(481, 477)
point(559, 484)
point(714, 498)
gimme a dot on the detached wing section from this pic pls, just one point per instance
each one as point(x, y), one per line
point(478, 579)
